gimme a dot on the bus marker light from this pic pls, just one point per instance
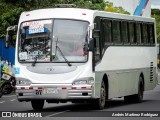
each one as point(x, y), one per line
point(31, 88)
point(74, 87)
point(40, 88)
point(22, 88)
point(63, 88)
point(83, 87)
point(27, 14)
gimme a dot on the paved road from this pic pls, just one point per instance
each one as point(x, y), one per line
point(151, 103)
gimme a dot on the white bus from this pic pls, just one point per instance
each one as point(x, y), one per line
point(80, 55)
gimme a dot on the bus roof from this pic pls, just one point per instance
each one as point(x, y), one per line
point(62, 13)
point(76, 13)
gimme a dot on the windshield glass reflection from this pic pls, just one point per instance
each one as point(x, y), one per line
point(72, 40)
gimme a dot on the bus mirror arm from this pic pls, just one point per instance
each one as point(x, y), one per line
point(12, 28)
point(7, 40)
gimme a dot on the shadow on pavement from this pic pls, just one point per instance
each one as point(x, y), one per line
point(87, 107)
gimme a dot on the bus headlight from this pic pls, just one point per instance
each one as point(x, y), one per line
point(88, 80)
point(23, 82)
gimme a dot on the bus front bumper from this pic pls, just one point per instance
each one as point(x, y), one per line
point(54, 92)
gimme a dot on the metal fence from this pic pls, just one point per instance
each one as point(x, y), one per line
point(7, 53)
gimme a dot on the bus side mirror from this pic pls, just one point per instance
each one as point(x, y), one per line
point(15, 28)
point(91, 45)
point(8, 37)
point(7, 40)
point(12, 28)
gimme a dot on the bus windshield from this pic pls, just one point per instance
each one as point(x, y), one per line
point(40, 39)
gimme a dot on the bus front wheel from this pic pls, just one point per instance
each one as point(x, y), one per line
point(100, 103)
point(37, 104)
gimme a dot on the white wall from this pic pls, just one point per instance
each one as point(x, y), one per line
point(147, 11)
point(131, 5)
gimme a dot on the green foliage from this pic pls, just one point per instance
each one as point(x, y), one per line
point(109, 8)
point(90, 5)
point(9, 16)
point(156, 15)
point(155, 11)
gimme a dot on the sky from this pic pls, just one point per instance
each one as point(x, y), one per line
point(155, 4)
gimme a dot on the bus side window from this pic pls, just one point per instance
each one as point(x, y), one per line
point(138, 34)
point(116, 32)
point(145, 34)
point(131, 33)
point(107, 29)
point(151, 34)
point(124, 33)
point(96, 36)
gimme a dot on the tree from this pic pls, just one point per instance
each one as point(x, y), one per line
point(110, 8)
point(155, 14)
point(8, 18)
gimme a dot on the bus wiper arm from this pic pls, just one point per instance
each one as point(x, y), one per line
point(35, 60)
point(57, 47)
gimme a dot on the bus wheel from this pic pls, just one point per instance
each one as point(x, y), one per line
point(138, 98)
point(37, 104)
point(100, 103)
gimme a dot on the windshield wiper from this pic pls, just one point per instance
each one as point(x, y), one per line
point(57, 47)
point(35, 60)
point(36, 57)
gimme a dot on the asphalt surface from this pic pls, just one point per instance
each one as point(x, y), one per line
point(151, 104)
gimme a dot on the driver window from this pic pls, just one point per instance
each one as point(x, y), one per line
point(97, 45)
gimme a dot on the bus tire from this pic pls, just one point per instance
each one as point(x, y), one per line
point(137, 98)
point(37, 104)
point(100, 103)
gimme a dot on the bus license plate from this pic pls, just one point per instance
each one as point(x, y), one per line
point(50, 91)
point(38, 92)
